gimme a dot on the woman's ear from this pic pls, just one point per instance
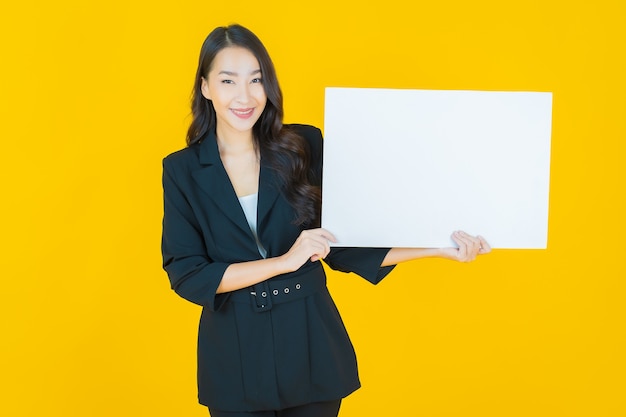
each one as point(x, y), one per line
point(205, 89)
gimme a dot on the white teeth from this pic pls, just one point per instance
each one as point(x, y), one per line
point(242, 112)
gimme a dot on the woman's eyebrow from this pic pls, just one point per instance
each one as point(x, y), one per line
point(233, 74)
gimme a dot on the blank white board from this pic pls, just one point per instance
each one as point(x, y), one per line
point(406, 168)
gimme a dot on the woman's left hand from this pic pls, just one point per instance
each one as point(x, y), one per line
point(469, 247)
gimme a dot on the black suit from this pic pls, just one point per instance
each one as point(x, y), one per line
point(253, 353)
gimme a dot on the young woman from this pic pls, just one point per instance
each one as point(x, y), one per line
point(241, 238)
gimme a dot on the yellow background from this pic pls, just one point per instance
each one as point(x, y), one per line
point(94, 94)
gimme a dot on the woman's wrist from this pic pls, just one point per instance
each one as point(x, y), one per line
point(283, 265)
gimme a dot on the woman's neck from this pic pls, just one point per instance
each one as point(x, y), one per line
point(234, 142)
point(240, 159)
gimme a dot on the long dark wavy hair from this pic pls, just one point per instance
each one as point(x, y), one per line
point(286, 151)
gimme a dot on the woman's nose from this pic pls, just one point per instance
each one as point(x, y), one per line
point(243, 94)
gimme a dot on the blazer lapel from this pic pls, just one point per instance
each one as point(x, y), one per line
point(269, 189)
point(213, 180)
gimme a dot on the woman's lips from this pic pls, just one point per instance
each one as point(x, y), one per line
point(243, 113)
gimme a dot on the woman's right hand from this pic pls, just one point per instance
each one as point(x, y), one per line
point(313, 245)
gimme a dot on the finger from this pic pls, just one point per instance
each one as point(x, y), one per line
point(316, 244)
point(484, 245)
point(474, 242)
point(318, 255)
point(466, 239)
point(461, 252)
point(326, 249)
point(469, 246)
point(319, 237)
point(319, 248)
point(325, 234)
point(469, 238)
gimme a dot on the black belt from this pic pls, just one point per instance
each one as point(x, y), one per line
point(264, 295)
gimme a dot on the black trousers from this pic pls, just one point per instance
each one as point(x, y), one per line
point(323, 409)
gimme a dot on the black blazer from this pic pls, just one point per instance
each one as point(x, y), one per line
point(294, 353)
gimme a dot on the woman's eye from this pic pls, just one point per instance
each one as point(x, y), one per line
point(257, 80)
point(227, 82)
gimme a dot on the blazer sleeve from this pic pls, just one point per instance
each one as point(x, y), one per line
point(362, 261)
point(192, 274)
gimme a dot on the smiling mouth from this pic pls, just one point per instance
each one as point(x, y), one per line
point(243, 113)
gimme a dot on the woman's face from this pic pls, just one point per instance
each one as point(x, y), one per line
point(234, 85)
